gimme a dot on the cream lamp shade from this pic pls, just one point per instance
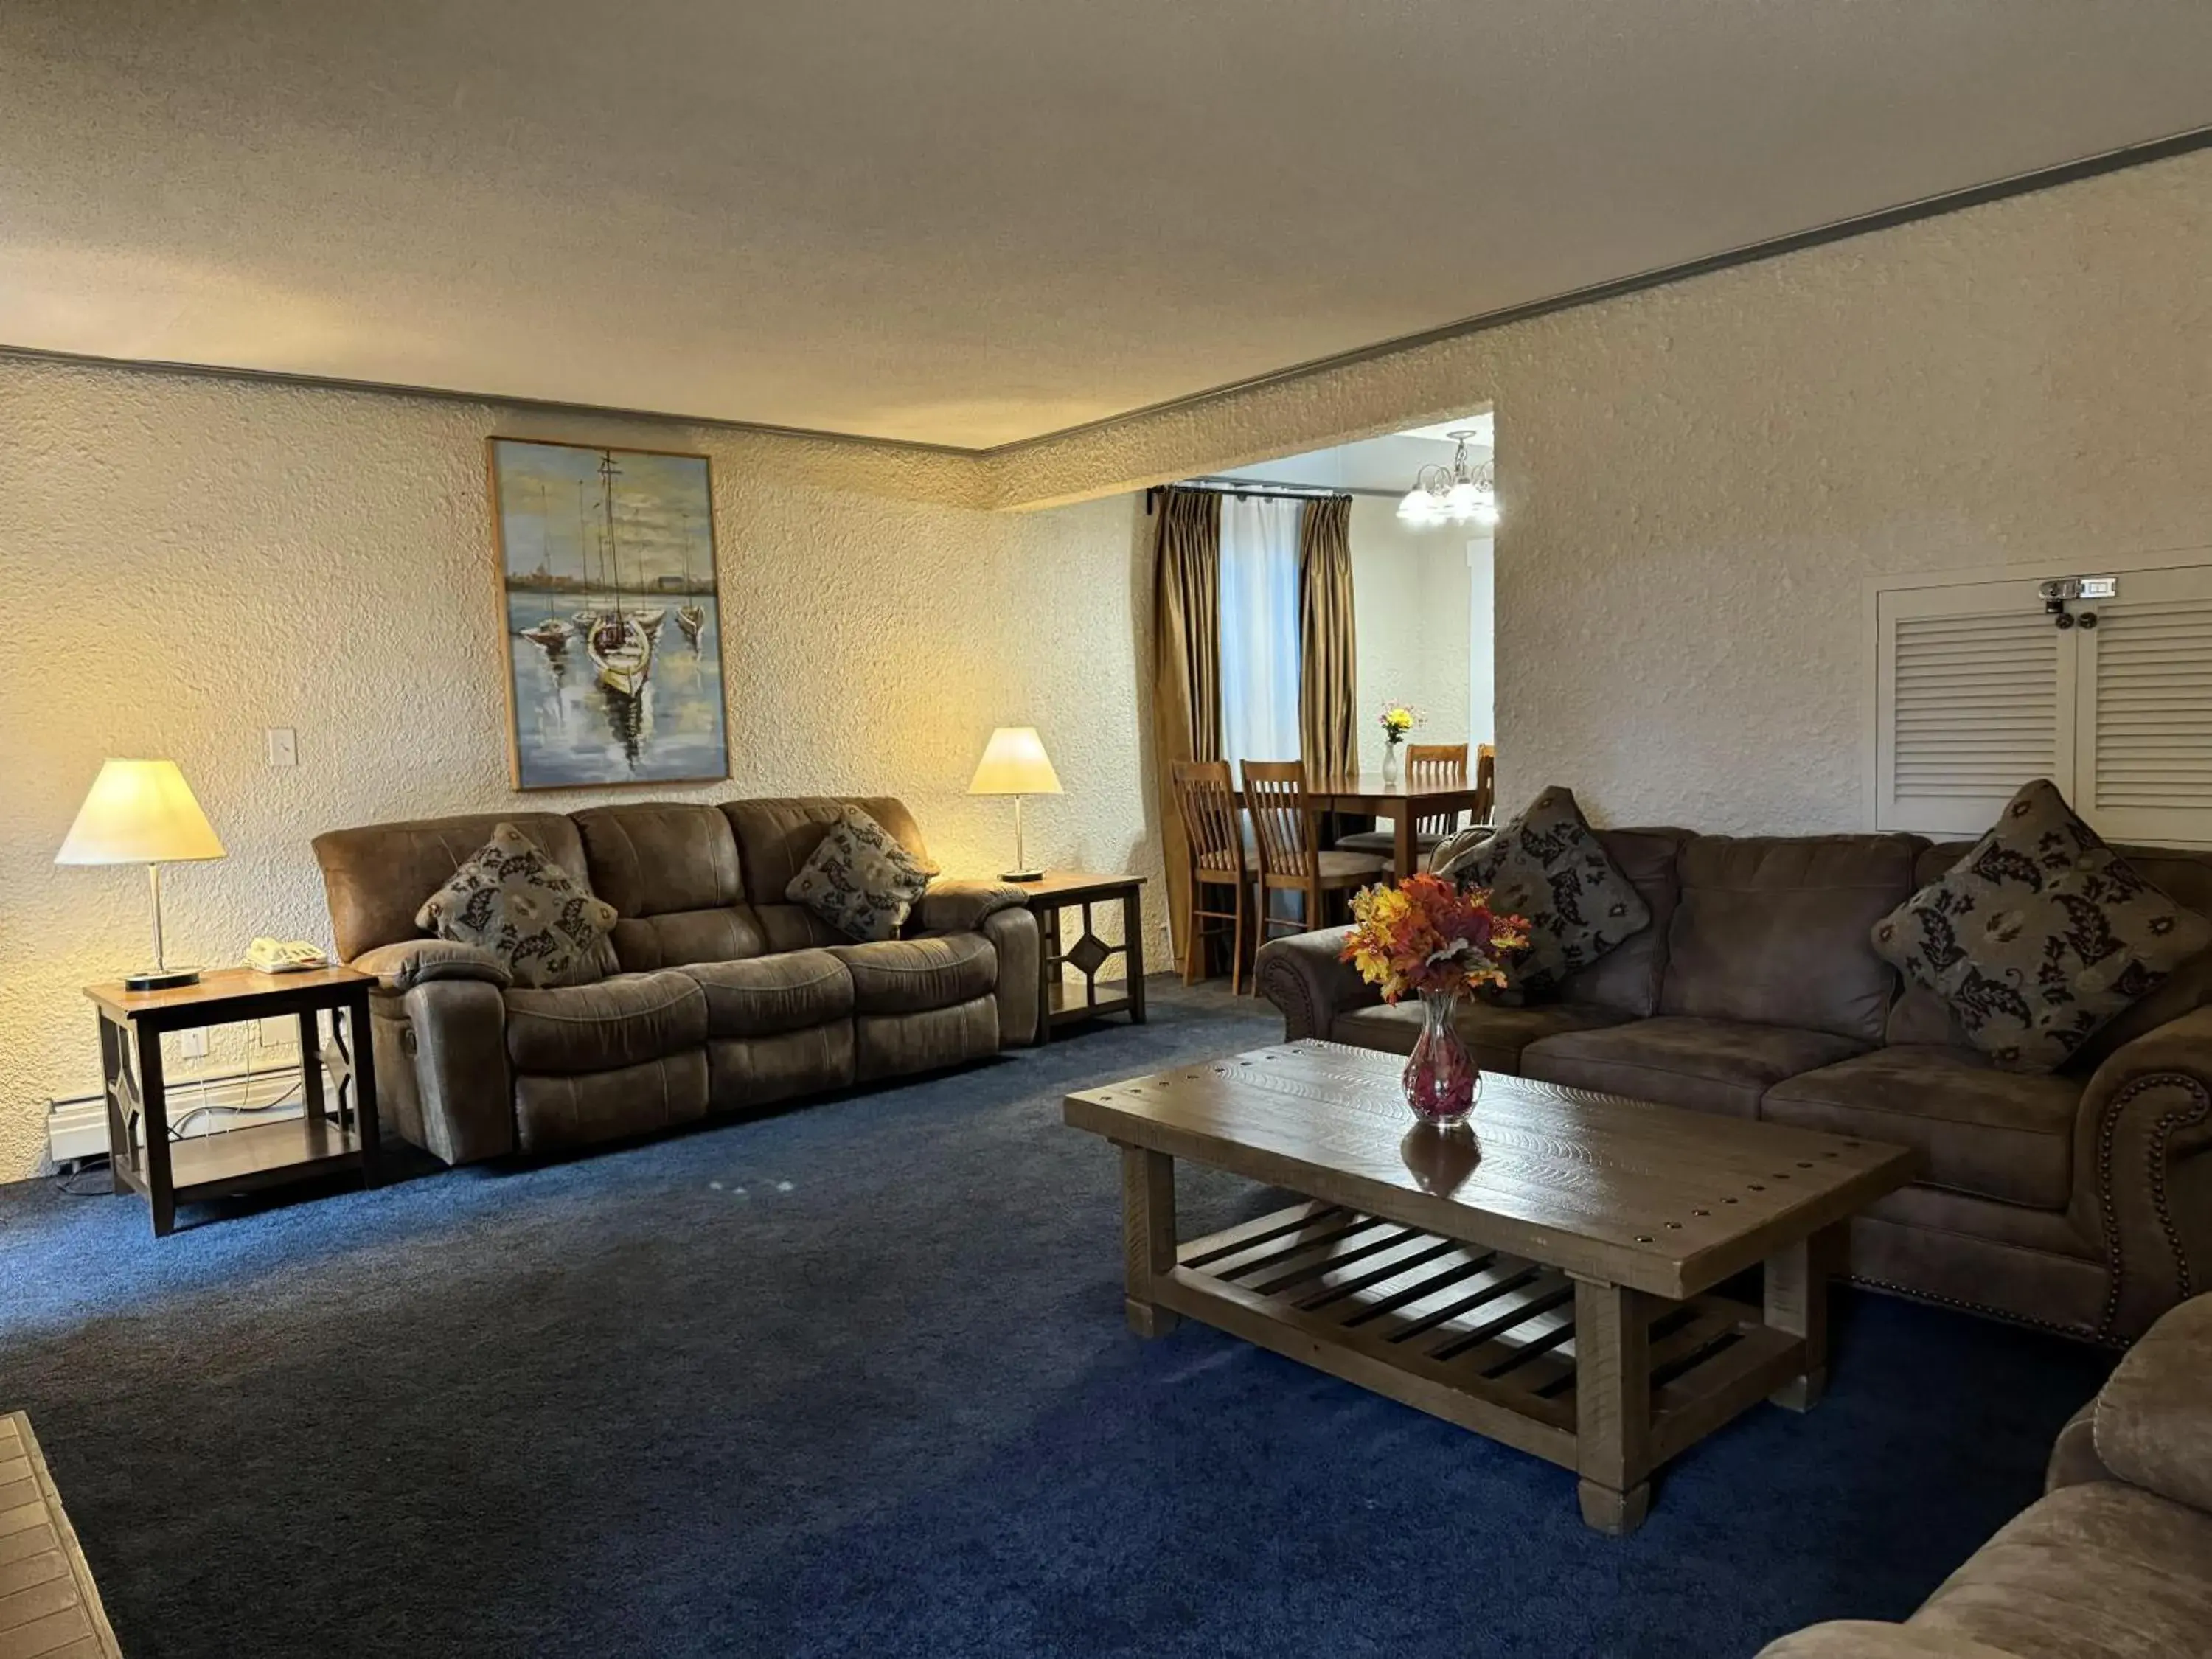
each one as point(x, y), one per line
point(139, 812)
point(1014, 763)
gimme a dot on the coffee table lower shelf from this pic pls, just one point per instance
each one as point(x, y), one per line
point(1571, 1370)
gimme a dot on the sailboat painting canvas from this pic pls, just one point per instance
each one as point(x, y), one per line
point(614, 640)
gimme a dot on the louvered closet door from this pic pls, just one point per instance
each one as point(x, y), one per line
point(2144, 697)
point(1975, 693)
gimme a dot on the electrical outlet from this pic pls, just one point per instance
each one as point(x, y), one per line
point(192, 1043)
point(268, 1033)
point(284, 745)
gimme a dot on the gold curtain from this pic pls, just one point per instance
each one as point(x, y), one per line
point(1328, 685)
point(1186, 662)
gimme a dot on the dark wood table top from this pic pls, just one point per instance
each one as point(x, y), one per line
point(1621, 1191)
point(219, 987)
point(1074, 885)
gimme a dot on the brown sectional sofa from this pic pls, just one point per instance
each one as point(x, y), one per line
point(2079, 1200)
point(2115, 1558)
point(713, 994)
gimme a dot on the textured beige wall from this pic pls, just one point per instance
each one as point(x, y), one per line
point(1409, 596)
point(186, 561)
point(1696, 481)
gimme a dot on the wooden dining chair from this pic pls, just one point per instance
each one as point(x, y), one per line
point(1486, 783)
point(1287, 835)
point(1214, 831)
point(1430, 765)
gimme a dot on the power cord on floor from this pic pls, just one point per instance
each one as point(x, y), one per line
point(67, 1186)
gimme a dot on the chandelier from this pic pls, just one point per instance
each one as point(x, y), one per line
point(1463, 492)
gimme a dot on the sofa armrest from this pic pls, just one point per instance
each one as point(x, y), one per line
point(2143, 1184)
point(1305, 977)
point(2154, 1421)
point(959, 906)
point(2074, 1461)
point(1014, 934)
point(1861, 1638)
point(410, 962)
point(454, 1037)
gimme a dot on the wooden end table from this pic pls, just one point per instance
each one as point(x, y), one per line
point(1059, 1003)
point(325, 1137)
point(1548, 1280)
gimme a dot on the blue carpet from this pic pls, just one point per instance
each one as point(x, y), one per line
point(853, 1380)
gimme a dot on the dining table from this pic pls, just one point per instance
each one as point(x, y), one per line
point(1404, 801)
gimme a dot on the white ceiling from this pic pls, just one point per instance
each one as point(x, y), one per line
point(970, 221)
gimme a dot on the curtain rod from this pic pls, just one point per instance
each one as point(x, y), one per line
point(1263, 489)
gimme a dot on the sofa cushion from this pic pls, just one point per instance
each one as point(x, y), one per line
point(623, 1021)
point(910, 975)
point(859, 879)
point(777, 835)
point(557, 1114)
point(1548, 867)
point(1495, 1034)
point(514, 901)
point(1997, 1134)
point(2040, 934)
point(1773, 930)
point(670, 868)
point(1707, 1065)
point(766, 995)
point(2099, 1568)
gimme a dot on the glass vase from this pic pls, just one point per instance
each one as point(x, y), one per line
point(1390, 764)
point(1440, 1078)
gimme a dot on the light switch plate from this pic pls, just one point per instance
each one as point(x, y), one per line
point(283, 747)
point(192, 1043)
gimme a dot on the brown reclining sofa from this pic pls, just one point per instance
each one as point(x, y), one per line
point(712, 993)
point(2079, 1200)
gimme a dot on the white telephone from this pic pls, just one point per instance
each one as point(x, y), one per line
point(284, 956)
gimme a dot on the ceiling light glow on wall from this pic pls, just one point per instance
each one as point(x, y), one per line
point(1463, 492)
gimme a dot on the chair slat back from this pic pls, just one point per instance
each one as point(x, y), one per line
point(1205, 795)
point(1283, 829)
point(1436, 766)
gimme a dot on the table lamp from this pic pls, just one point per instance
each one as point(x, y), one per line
point(141, 812)
point(1014, 763)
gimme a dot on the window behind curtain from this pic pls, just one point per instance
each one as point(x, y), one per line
point(1259, 630)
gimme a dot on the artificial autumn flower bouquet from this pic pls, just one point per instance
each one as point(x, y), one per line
point(1425, 936)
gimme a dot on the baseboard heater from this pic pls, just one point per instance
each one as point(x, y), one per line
point(76, 1126)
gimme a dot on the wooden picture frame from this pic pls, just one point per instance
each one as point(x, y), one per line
point(604, 564)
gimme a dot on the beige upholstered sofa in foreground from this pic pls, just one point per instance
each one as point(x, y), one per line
point(714, 994)
point(2080, 1199)
point(2116, 1556)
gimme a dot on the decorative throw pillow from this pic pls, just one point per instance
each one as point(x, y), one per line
point(522, 907)
point(1548, 867)
point(2038, 935)
point(860, 880)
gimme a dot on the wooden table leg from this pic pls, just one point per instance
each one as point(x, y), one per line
point(153, 1089)
point(1405, 836)
point(1148, 1240)
point(1797, 1302)
point(364, 1088)
point(115, 1074)
point(311, 1065)
point(1133, 935)
point(1612, 1405)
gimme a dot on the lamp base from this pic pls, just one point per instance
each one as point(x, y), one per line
point(1021, 875)
point(160, 979)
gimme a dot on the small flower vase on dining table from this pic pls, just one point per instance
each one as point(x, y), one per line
point(1440, 1077)
point(1390, 764)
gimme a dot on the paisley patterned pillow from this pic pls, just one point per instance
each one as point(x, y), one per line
point(860, 880)
point(1548, 867)
point(516, 903)
point(2038, 935)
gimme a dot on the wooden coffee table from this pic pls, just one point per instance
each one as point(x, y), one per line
point(1545, 1279)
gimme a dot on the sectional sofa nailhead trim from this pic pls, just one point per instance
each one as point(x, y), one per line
point(1982, 1307)
point(2161, 1132)
point(1283, 986)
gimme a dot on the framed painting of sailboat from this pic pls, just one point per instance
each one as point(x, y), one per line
point(608, 605)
